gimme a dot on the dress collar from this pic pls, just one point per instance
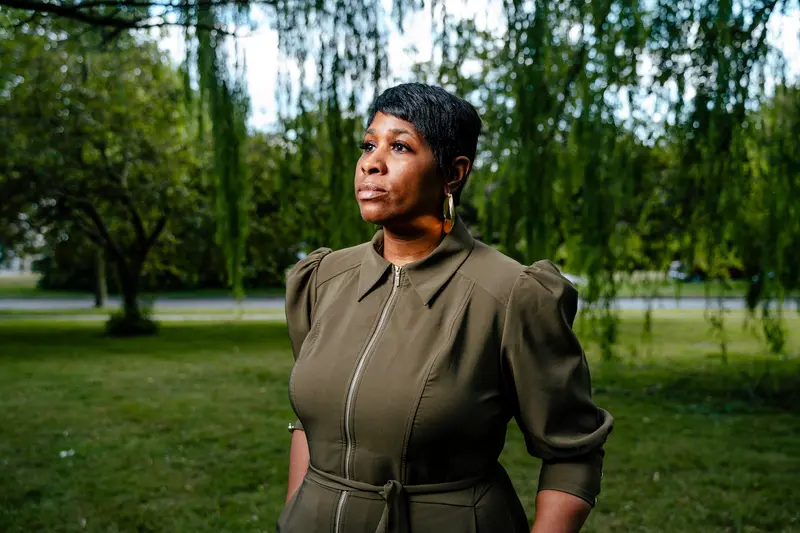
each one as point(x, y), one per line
point(427, 275)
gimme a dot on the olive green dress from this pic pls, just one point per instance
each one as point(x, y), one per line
point(406, 378)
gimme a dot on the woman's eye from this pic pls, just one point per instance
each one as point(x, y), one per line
point(366, 146)
point(400, 147)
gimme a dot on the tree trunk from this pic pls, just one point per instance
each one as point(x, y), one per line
point(100, 287)
point(129, 287)
point(132, 322)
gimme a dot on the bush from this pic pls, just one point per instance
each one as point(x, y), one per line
point(121, 324)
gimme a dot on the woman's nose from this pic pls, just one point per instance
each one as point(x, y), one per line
point(373, 163)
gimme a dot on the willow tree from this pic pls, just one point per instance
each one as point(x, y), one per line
point(345, 43)
point(556, 64)
point(548, 149)
point(768, 228)
point(719, 50)
point(345, 39)
point(568, 175)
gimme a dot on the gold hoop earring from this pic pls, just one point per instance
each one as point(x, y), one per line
point(449, 213)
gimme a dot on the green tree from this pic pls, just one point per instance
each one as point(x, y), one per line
point(768, 219)
point(307, 28)
point(98, 141)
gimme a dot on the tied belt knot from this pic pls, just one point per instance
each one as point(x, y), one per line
point(394, 518)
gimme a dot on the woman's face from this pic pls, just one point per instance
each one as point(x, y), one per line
point(396, 176)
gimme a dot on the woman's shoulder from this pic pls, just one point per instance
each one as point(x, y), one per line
point(307, 266)
point(544, 303)
point(544, 275)
point(493, 271)
point(507, 279)
point(542, 286)
point(324, 264)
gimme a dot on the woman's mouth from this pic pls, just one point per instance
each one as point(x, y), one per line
point(369, 192)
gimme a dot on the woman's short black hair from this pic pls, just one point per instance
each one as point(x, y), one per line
point(449, 124)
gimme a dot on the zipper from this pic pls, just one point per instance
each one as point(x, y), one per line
point(348, 406)
point(339, 509)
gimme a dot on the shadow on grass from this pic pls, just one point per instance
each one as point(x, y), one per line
point(41, 340)
point(702, 383)
point(746, 385)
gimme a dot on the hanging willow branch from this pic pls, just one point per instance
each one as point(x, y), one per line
point(349, 45)
point(225, 99)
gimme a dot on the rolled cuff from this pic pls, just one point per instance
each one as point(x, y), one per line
point(579, 477)
point(296, 425)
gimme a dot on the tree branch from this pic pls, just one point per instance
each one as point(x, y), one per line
point(762, 15)
point(130, 21)
point(577, 67)
point(167, 5)
point(85, 205)
point(572, 75)
point(119, 179)
point(760, 18)
point(87, 230)
point(156, 233)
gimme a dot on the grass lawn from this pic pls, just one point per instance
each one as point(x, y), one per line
point(24, 286)
point(185, 432)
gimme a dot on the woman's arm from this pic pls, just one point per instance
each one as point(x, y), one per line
point(298, 462)
point(550, 386)
point(559, 512)
point(301, 296)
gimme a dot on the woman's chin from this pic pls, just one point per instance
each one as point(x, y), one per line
point(373, 214)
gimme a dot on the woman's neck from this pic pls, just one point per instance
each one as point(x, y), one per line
point(412, 243)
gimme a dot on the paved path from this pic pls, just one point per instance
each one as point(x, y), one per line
point(78, 303)
point(170, 317)
point(255, 308)
point(274, 303)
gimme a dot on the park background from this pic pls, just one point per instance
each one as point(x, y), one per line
point(163, 163)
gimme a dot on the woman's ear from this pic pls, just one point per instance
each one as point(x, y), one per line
point(459, 170)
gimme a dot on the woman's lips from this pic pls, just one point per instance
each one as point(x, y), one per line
point(369, 192)
point(370, 195)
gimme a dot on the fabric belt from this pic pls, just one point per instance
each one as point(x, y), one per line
point(396, 495)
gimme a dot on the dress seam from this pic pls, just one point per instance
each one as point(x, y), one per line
point(507, 389)
point(315, 324)
point(332, 521)
point(501, 300)
point(346, 270)
point(415, 411)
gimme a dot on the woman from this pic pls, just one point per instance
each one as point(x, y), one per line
point(413, 352)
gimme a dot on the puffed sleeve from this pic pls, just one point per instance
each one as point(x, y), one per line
point(301, 295)
point(549, 379)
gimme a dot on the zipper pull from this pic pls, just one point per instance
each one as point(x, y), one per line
point(397, 276)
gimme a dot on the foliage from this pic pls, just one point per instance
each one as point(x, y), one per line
point(575, 167)
point(115, 17)
point(68, 264)
point(97, 143)
point(284, 214)
point(224, 96)
point(620, 135)
point(769, 219)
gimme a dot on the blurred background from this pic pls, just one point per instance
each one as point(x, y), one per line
point(163, 163)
